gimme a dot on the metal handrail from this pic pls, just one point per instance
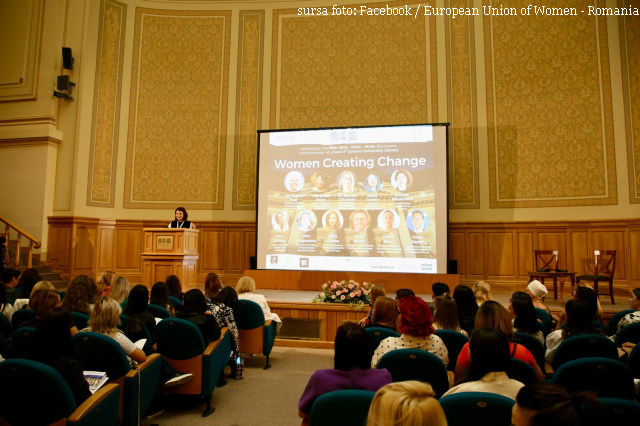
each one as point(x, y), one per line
point(33, 243)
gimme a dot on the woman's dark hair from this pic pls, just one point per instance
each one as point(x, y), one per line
point(353, 347)
point(80, 294)
point(160, 295)
point(53, 337)
point(489, 353)
point(438, 289)
point(526, 319)
point(579, 320)
point(185, 215)
point(26, 274)
point(3, 298)
point(212, 285)
point(588, 295)
point(174, 286)
point(404, 292)
point(194, 303)
point(8, 274)
point(137, 301)
point(551, 405)
point(227, 296)
point(636, 292)
point(466, 301)
point(29, 283)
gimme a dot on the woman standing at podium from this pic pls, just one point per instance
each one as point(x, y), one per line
point(181, 220)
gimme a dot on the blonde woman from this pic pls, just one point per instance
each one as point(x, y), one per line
point(409, 403)
point(347, 182)
point(445, 316)
point(482, 292)
point(245, 289)
point(119, 290)
point(24, 303)
point(107, 278)
point(375, 292)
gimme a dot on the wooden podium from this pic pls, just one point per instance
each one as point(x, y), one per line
point(170, 251)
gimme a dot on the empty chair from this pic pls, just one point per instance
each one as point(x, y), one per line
point(534, 346)
point(630, 334)
point(177, 303)
point(477, 409)
point(181, 345)
point(55, 402)
point(324, 412)
point(378, 334)
point(80, 320)
point(578, 347)
point(607, 377)
point(603, 271)
point(255, 335)
point(522, 372)
point(158, 311)
point(454, 342)
point(22, 340)
point(621, 411)
point(612, 326)
point(416, 364)
point(21, 316)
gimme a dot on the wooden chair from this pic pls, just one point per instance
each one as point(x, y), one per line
point(604, 268)
point(546, 259)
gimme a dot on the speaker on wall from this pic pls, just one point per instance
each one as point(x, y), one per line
point(67, 58)
point(453, 267)
point(253, 264)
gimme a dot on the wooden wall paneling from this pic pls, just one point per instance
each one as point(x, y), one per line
point(332, 325)
point(476, 255)
point(249, 246)
point(322, 315)
point(235, 251)
point(500, 249)
point(59, 250)
point(634, 255)
point(456, 250)
point(554, 240)
point(104, 253)
point(581, 252)
point(612, 239)
point(129, 246)
point(525, 253)
point(84, 249)
point(213, 253)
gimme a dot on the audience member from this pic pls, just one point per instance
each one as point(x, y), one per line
point(445, 315)
point(403, 292)
point(80, 295)
point(385, 314)
point(579, 321)
point(174, 286)
point(482, 292)
point(195, 311)
point(416, 332)
point(490, 364)
point(583, 292)
point(465, 301)
point(352, 369)
point(41, 302)
point(24, 303)
point(544, 404)
point(10, 281)
point(212, 286)
point(5, 258)
point(107, 278)
point(493, 314)
point(245, 288)
point(101, 291)
point(27, 288)
point(375, 292)
point(119, 290)
point(633, 317)
point(136, 310)
point(160, 297)
point(26, 274)
point(5, 306)
point(523, 315)
point(222, 307)
point(538, 291)
point(409, 403)
point(52, 345)
point(438, 289)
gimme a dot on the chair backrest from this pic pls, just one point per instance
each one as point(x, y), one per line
point(545, 317)
point(543, 328)
point(6, 329)
point(179, 339)
point(605, 262)
point(522, 372)
point(596, 324)
point(629, 333)
point(609, 378)
point(324, 413)
point(5, 348)
point(21, 377)
point(177, 303)
point(80, 320)
point(467, 324)
point(612, 326)
point(621, 411)
point(62, 293)
point(534, 346)
point(20, 316)
point(378, 334)
point(634, 362)
point(22, 340)
point(546, 259)
point(586, 346)
point(416, 364)
point(158, 311)
point(454, 341)
point(477, 409)
point(101, 353)
point(248, 315)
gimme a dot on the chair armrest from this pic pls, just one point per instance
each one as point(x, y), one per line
point(135, 371)
point(267, 323)
point(213, 345)
point(93, 401)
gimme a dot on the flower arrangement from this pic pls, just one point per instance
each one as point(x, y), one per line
point(348, 292)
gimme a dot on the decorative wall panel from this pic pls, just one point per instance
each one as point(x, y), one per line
point(630, 55)
point(178, 110)
point(549, 109)
point(106, 105)
point(248, 108)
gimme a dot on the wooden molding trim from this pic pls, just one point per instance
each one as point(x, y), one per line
point(27, 142)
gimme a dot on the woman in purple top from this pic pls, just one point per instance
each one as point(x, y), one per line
point(352, 369)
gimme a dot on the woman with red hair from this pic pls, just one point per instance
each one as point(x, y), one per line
point(416, 332)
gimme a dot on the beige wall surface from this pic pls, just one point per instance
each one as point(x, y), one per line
point(543, 109)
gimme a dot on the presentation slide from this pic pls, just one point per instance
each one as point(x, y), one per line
point(353, 199)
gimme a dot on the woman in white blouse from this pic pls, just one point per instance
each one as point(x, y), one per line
point(416, 330)
point(245, 289)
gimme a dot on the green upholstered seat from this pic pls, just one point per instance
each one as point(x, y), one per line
point(477, 409)
point(378, 334)
point(454, 342)
point(177, 303)
point(522, 372)
point(256, 334)
point(612, 325)
point(416, 364)
point(6, 329)
point(80, 320)
point(158, 311)
point(546, 319)
point(628, 334)
point(588, 345)
point(20, 316)
point(21, 341)
point(357, 403)
point(533, 345)
point(609, 378)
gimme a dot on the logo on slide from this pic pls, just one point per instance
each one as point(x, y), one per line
point(426, 266)
point(304, 262)
point(274, 260)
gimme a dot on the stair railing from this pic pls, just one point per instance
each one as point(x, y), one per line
point(33, 243)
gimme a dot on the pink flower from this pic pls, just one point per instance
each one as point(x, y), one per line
point(342, 297)
point(359, 292)
point(333, 297)
point(324, 285)
point(365, 291)
point(333, 286)
point(352, 294)
point(356, 284)
point(338, 293)
point(350, 286)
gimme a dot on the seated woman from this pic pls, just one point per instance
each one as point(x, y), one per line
point(445, 316)
point(375, 292)
point(523, 315)
point(351, 369)
point(409, 403)
point(212, 286)
point(42, 301)
point(5, 307)
point(465, 301)
point(579, 321)
point(245, 288)
point(80, 295)
point(401, 293)
point(106, 278)
point(160, 297)
point(195, 311)
point(174, 287)
point(482, 292)
point(119, 290)
point(633, 317)
point(136, 310)
point(52, 345)
point(417, 332)
point(493, 314)
point(24, 303)
point(385, 314)
point(222, 307)
point(538, 291)
point(583, 292)
point(490, 361)
point(544, 404)
point(29, 285)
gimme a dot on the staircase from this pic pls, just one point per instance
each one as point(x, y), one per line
point(43, 269)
